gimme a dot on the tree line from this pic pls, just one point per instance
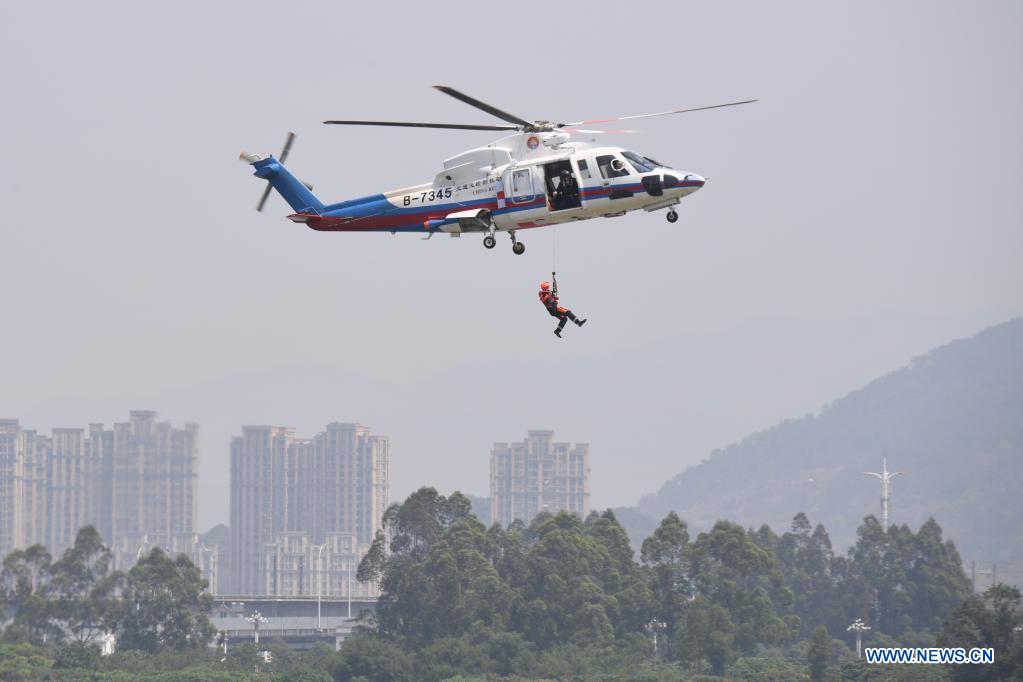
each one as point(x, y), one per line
point(559, 598)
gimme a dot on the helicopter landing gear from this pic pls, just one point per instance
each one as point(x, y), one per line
point(672, 216)
point(518, 248)
point(489, 241)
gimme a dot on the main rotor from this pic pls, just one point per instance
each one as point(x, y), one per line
point(520, 124)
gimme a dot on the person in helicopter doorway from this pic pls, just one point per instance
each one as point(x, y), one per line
point(567, 193)
point(550, 301)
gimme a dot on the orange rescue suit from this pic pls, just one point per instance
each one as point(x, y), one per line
point(550, 301)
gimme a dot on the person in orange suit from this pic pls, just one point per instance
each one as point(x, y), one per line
point(549, 299)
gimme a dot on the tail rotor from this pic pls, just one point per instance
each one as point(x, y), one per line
point(252, 158)
point(283, 158)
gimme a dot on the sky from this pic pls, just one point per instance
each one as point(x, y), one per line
point(865, 210)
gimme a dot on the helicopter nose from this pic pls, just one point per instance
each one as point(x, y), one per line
point(695, 181)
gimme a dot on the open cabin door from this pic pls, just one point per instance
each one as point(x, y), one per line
point(518, 185)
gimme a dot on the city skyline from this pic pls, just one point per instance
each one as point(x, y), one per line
point(135, 482)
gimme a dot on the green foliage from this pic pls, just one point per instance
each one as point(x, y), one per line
point(374, 659)
point(861, 671)
point(163, 605)
point(21, 661)
point(988, 620)
point(77, 655)
point(563, 598)
point(899, 581)
point(81, 588)
point(819, 654)
point(22, 582)
point(768, 669)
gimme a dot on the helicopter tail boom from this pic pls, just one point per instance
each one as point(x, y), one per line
point(287, 185)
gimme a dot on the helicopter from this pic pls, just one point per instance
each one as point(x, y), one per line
point(537, 176)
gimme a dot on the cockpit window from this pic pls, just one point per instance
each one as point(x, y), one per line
point(656, 163)
point(611, 166)
point(640, 163)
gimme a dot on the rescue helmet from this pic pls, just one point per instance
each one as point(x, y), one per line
point(545, 286)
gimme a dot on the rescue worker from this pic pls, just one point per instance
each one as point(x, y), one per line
point(569, 189)
point(550, 301)
point(567, 193)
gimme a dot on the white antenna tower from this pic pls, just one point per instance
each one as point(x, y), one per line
point(885, 477)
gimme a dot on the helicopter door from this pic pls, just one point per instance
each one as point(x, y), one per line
point(522, 186)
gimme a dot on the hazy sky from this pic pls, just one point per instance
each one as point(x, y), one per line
point(877, 180)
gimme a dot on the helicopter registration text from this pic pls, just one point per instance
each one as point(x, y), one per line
point(479, 187)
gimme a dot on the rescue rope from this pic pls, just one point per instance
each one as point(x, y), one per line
point(554, 259)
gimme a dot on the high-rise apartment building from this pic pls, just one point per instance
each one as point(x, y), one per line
point(155, 473)
point(12, 485)
point(135, 483)
point(286, 491)
point(295, 566)
point(538, 475)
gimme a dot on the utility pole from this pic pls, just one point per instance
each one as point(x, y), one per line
point(885, 477)
point(348, 589)
point(859, 627)
point(319, 582)
point(652, 627)
point(256, 619)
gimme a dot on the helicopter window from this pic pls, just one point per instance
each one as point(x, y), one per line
point(641, 164)
point(656, 163)
point(584, 170)
point(611, 166)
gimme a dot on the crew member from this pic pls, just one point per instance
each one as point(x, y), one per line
point(550, 301)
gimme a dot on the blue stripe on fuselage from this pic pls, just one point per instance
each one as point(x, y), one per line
point(377, 205)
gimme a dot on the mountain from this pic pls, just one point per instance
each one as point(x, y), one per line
point(952, 420)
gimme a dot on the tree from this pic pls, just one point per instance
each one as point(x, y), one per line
point(81, 588)
point(372, 658)
point(667, 553)
point(437, 575)
point(988, 620)
point(164, 604)
point(77, 655)
point(22, 662)
point(566, 599)
point(21, 582)
point(731, 571)
point(900, 581)
point(819, 653)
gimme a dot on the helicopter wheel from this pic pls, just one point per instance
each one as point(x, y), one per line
point(518, 248)
point(672, 216)
point(489, 241)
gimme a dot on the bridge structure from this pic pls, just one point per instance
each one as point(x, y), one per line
point(299, 622)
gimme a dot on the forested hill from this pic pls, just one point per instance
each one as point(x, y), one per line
point(952, 419)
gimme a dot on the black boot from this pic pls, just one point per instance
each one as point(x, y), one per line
point(557, 332)
point(581, 322)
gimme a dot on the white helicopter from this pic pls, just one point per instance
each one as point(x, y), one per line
point(535, 177)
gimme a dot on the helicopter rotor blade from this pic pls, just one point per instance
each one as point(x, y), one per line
point(585, 131)
point(415, 124)
point(284, 155)
point(483, 106)
point(287, 147)
point(660, 113)
point(266, 195)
